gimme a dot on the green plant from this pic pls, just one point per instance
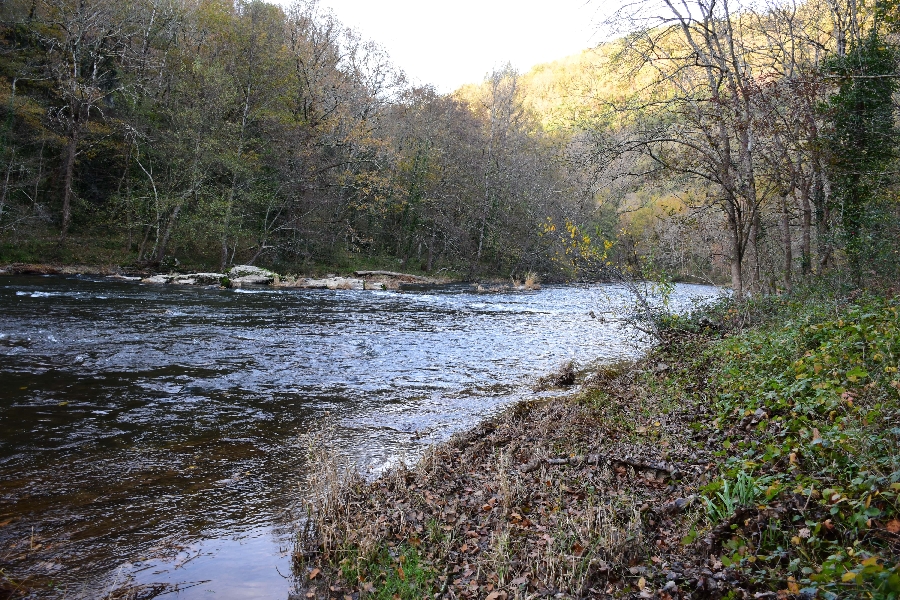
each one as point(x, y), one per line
point(743, 491)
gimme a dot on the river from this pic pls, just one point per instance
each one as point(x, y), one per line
point(155, 434)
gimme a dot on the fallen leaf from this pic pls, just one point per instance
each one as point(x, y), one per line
point(5, 523)
point(793, 586)
point(642, 583)
point(314, 573)
point(893, 526)
point(401, 573)
point(519, 581)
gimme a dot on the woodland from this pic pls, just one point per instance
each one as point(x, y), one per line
point(751, 452)
point(749, 144)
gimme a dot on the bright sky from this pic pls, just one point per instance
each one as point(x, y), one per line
point(452, 42)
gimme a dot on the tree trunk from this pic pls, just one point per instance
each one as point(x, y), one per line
point(5, 192)
point(170, 225)
point(68, 181)
point(754, 241)
point(788, 251)
point(737, 252)
point(430, 263)
point(806, 229)
point(821, 200)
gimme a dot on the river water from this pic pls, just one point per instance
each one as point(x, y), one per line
point(154, 434)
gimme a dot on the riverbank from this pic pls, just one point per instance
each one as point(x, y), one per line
point(753, 454)
point(238, 276)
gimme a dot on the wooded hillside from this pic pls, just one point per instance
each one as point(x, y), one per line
point(725, 142)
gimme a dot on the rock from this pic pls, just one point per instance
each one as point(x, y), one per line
point(158, 279)
point(119, 277)
point(334, 283)
point(241, 271)
point(208, 278)
point(187, 279)
point(251, 280)
point(679, 504)
point(563, 377)
point(242, 275)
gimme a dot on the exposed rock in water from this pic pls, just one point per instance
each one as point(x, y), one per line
point(331, 282)
point(562, 377)
point(189, 279)
point(249, 275)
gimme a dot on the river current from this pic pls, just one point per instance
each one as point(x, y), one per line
point(155, 434)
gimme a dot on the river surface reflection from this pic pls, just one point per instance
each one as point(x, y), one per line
point(152, 434)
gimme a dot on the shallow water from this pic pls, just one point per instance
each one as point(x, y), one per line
point(153, 434)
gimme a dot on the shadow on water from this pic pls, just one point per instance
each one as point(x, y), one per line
point(150, 435)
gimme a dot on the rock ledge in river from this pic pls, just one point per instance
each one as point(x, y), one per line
point(250, 275)
point(190, 279)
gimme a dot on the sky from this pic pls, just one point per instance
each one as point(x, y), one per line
point(448, 43)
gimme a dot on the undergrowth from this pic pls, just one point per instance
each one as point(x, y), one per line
point(807, 400)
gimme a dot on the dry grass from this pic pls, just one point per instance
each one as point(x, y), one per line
point(516, 507)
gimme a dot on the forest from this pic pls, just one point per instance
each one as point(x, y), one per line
point(750, 144)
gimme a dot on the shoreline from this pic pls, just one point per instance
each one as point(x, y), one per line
point(667, 479)
point(555, 496)
point(368, 280)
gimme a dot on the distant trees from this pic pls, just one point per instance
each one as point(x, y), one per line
point(780, 116)
point(218, 132)
point(718, 139)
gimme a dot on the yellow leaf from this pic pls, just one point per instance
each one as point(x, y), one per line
point(848, 576)
point(642, 583)
point(793, 586)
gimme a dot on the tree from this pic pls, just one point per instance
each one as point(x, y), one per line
point(862, 134)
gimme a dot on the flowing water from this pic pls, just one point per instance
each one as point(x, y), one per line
point(153, 434)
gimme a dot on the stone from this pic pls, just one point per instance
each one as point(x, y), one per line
point(251, 280)
point(208, 278)
point(158, 279)
point(240, 271)
point(249, 275)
